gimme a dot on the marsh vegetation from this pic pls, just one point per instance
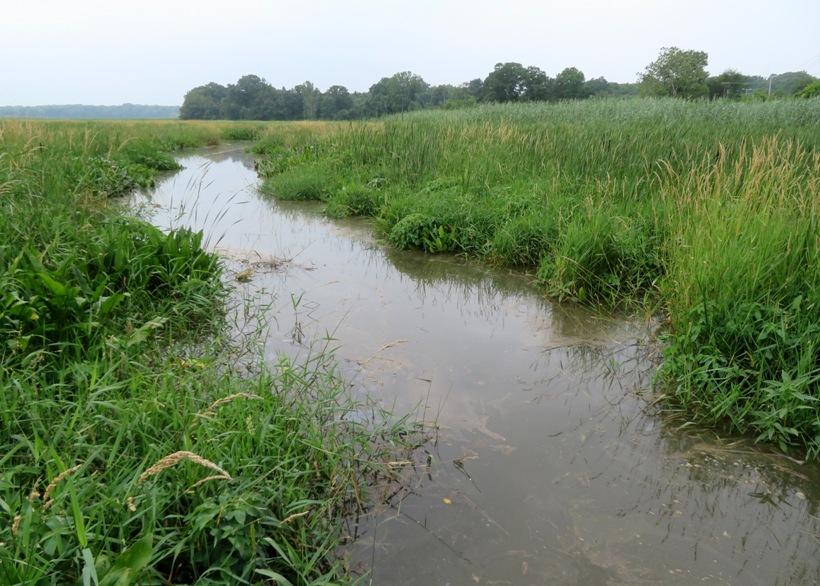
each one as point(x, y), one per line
point(142, 440)
point(139, 442)
point(703, 214)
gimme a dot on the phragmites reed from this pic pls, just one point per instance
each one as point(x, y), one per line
point(175, 458)
point(47, 500)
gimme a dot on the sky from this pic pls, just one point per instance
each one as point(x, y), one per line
point(110, 52)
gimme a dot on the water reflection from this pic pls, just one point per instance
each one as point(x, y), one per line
point(550, 465)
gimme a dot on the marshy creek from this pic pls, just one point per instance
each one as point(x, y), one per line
point(550, 465)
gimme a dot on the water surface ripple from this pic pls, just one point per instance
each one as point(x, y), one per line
point(550, 466)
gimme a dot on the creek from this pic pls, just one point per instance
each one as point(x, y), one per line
point(552, 463)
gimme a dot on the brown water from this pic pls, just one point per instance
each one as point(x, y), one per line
point(551, 465)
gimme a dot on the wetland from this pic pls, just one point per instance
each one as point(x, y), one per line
point(550, 460)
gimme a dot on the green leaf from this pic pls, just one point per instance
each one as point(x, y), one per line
point(107, 304)
point(278, 578)
point(125, 570)
point(56, 288)
point(79, 522)
point(89, 569)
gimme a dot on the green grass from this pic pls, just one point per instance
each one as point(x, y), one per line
point(703, 213)
point(134, 449)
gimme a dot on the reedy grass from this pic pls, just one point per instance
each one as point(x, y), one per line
point(113, 366)
point(704, 213)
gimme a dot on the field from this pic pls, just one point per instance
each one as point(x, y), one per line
point(139, 442)
point(702, 214)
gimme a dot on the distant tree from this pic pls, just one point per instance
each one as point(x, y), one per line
point(311, 96)
point(537, 86)
point(729, 84)
point(437, 95)
point(506, 83)
point(401, 92)
point(676, 73)
point(623, 90)
point(597, 86)
point(512, 82)
point(782, 84)
point(203, 103)
point(336, 104)
point(291, 105)
point(569, 85)
point(810, 91)
point(474, 88)
point(250, 98)
point(362, 106)
point(791, 82)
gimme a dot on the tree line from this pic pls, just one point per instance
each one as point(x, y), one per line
point(253, 98)
point(674, 73)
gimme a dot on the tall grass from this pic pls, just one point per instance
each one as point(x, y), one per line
point(133, 449)
point(704, 212)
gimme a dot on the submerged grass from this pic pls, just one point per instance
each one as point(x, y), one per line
point(135, 445)
point(705, 213)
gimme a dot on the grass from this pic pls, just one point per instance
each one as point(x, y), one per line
point(704, 213)
point(138, 443)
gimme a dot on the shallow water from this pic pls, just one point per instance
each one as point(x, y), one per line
point(551, 465)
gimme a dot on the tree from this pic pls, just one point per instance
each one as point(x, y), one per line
point(729, 84)
point(791, 82)
point(537, 86)
point(569, 85)
point(676, 73)
point(311, 96)
point(810, 91)
point(505, 83)
point(336, 103)
point(401, 92)
point(203, 103)
point(438, 95)
point(474, 88)
point(250, 98)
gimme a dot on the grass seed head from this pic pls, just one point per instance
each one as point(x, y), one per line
point(48, 501)
point(175, 458)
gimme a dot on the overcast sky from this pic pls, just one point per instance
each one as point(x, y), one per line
point(109, 52)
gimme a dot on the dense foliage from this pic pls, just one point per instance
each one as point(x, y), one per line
point(252, 98)
point(705, 213)
point(138, 444)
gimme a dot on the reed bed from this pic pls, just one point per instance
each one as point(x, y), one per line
point(133, 450)
point(703, 213)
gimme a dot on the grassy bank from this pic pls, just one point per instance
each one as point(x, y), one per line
point(705, 213)
point(133, 450)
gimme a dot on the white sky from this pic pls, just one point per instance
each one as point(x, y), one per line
point(109, 52)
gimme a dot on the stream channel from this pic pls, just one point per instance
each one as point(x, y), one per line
point(550, 465)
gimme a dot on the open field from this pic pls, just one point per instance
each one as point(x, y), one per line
point(139, 443)
point(705, 214)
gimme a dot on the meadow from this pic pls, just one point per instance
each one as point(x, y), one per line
point(140, 442)
point(703, 215)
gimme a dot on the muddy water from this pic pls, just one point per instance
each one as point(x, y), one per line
point(551, 465)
